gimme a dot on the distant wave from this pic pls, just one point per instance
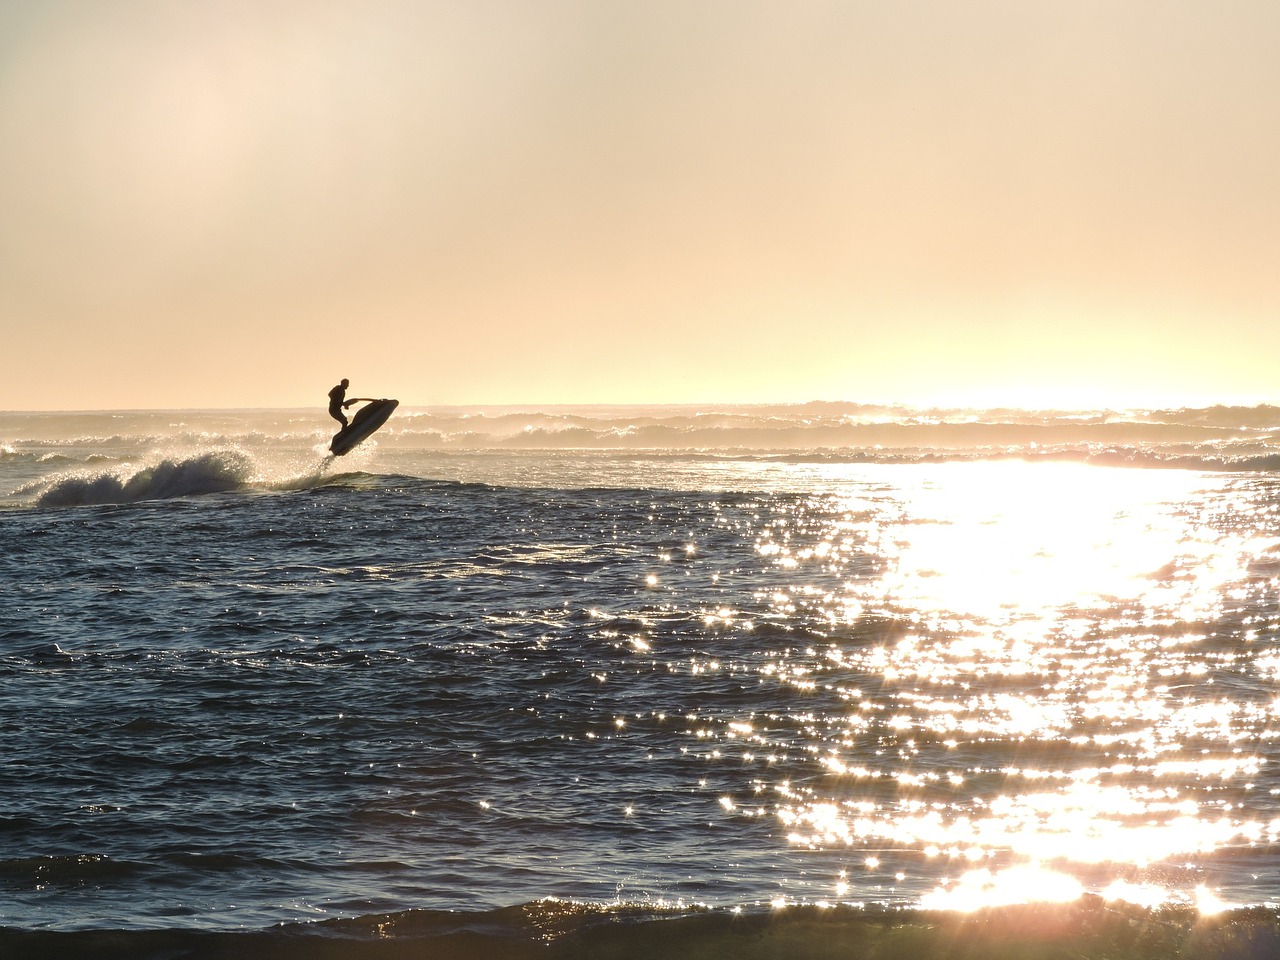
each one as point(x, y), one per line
point(556, 930)
point(211, 472)
point(758, 426)
point(1221, 433)
point(1211, 461)
point(1211, 438)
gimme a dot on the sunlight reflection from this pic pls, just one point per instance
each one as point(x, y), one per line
point(1083, 824)
point(977, 889)
point(1008, 543)
point(1063, 615)
point(1139, 894)
point(1208, 902)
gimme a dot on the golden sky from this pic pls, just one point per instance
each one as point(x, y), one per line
point(238, 202)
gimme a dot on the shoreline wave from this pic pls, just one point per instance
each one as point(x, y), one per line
point(558, 930)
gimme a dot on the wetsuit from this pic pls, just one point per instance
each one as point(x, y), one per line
point(336, 396)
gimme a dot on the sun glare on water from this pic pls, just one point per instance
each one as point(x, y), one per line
point(1044, 718)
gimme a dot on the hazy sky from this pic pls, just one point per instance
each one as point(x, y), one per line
point(238, 202)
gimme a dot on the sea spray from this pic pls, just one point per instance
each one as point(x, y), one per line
point(211, 472)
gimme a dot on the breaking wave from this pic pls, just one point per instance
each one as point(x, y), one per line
point(212, 472)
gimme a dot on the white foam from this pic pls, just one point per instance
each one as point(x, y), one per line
point(164, 478)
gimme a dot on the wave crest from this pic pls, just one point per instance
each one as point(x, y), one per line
point(211, 472)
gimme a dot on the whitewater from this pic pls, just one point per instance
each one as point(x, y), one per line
point(790, 680)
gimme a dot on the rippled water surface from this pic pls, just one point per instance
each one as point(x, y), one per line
point(277, 688)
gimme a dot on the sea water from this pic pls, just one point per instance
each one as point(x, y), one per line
point(678, 661)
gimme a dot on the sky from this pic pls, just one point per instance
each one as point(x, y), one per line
point(235, 203)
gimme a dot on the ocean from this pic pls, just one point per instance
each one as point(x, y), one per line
point(811, 680)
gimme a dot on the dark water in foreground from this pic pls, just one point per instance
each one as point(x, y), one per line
point(1083, 930)
point(604, 702)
